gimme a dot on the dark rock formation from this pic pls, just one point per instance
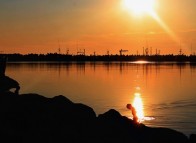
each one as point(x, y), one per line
point(32, 118)
point(193, 138)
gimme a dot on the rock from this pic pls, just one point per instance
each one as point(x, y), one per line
point(85, 112)
point(112, 127)
point(192, 138)
point(34, 118)
point(111, 115)
point(163, 135)
point(124, 129)
point(62, 100)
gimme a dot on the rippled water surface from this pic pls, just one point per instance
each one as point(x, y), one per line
point(167, 90)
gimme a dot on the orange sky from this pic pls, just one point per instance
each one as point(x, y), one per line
point(37, 26)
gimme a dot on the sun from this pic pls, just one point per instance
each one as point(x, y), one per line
point(139, 7)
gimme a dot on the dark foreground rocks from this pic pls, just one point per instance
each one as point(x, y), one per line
point(32, 118)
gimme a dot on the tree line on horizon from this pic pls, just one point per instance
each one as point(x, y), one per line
point(83, 57)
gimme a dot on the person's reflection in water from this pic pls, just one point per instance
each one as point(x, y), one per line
point(7, 83)
point(130, 107)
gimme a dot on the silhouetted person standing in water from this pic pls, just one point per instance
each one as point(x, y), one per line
point(6, 83)
point(130, 107)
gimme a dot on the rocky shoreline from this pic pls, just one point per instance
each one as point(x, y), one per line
point(32, 118)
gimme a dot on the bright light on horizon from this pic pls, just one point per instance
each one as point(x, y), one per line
point(141, 62)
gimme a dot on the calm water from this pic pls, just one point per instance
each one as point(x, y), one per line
point(167, 90)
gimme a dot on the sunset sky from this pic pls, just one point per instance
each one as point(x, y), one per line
point(40, 26)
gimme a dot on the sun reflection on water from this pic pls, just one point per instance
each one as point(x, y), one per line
point(138, 105)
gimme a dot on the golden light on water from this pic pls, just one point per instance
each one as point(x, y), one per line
point(138, 105)
point(141, 62)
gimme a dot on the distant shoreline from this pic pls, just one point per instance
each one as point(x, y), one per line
point(55, 57)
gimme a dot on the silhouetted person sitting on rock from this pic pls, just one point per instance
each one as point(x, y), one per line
point(6, 83)
point(130, 107)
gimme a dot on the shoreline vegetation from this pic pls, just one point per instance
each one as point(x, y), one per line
point(34, 118)
point(107, 58)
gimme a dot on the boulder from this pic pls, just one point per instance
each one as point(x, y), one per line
point(192, 138)
point(35, 118)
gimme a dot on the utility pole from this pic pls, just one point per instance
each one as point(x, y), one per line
point(108, 52)
point(143, 51)
point(59, 49)
point(180, 52)
point(67, 53)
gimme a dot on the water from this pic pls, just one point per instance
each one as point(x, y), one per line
point(167, 90)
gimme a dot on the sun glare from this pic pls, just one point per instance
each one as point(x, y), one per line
point(139, 7)
point(137, 103)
